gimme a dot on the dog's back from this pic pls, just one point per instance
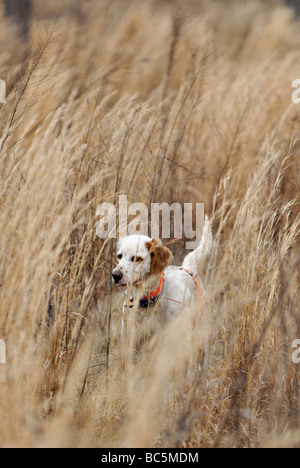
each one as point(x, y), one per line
point(182, 284)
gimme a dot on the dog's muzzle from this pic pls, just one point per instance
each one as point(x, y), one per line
point(117, 276)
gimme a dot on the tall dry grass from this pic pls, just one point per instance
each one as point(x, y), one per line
point(162, 101)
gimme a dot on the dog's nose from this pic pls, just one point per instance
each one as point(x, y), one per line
point(117, 276)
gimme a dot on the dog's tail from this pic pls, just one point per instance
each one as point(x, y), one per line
point(193, 260)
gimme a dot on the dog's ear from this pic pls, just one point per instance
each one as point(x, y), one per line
point(160, 256)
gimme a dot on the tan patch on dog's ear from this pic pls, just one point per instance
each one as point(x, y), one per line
point(160, 256)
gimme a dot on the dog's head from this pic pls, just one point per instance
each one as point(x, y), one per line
point(139, 257)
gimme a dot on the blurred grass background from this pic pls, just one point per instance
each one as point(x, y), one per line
point(162, 101)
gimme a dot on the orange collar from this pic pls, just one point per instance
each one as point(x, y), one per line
point(151, 298)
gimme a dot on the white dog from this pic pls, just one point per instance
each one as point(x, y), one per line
point(150, 282)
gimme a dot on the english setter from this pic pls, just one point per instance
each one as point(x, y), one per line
point(152, 284)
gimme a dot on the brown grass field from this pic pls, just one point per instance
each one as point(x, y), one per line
point(163, 101)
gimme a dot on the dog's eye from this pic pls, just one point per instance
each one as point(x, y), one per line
point(119, 256)
point(137, 259)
